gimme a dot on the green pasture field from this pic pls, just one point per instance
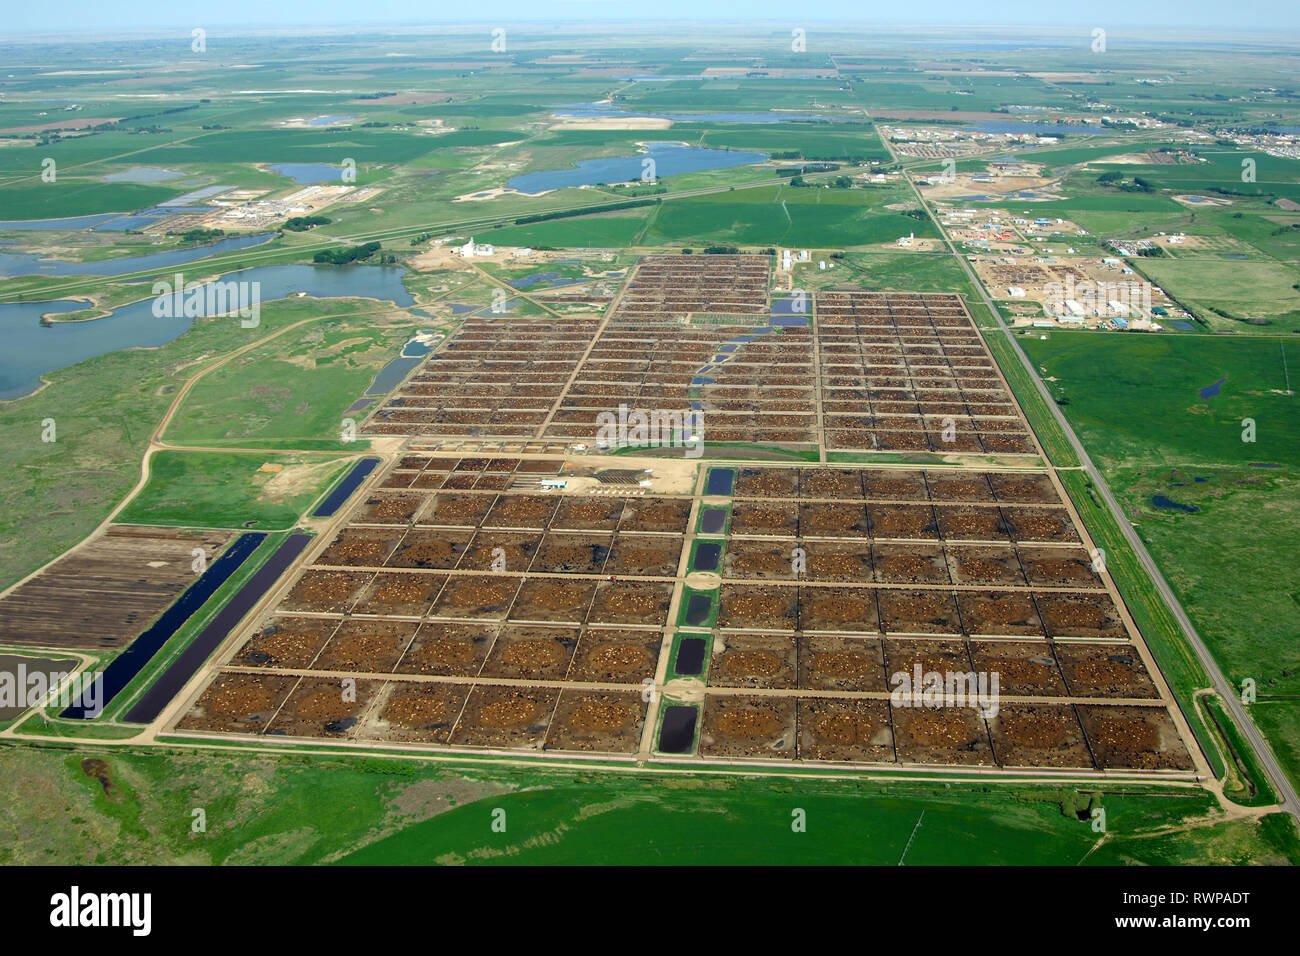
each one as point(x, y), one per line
point(1147, 428)
point(68, 196)
point(1135, 399)
point(813, 141)
point(311, 809)
point(1261, 295)
point(205, 489)
point(297, 387)
point(910, 271)
point(781, 215)
point(577, 232)
point(712, 822)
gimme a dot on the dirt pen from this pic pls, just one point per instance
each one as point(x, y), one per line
point(469, 605)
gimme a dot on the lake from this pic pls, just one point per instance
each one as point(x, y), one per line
point(28, 349)
point(582, 110)
point(670, 159)
point(1034, 129)
point(68, 222)
point(19, 264)
point(309, 172)
point(143, 174)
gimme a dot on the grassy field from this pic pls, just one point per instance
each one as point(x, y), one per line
point(678, 822)
point(1136, 400)
point(1222, 559)
point(1255, 295)
point(230, 490)
point(316, 809)
point(297, 387)
point(79, 197)
point(783, 215)
point(104, 410)
point(597, 230)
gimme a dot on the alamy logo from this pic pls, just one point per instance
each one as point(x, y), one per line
point(74, 908)
point(936, 689)
point(23, 689)
point(208, 299)
point(656, 428)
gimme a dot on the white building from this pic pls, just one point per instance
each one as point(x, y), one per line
point(472, 249)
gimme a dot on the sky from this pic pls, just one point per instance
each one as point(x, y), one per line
point(1278, 18)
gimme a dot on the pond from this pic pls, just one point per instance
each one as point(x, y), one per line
point(28, 349)
point(1212, 389)
point(191, 659)
point(53, 225)
point(720, 481)
point(391, 375)
point(698, 609)
point(707, 555)
point(713, 520)
point(690, 656)
point(1033, 129)
point(677, 732)
point(670, 159)
point(343, 491)
point(1167, 504)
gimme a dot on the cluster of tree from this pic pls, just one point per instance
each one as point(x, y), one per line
point(1225, 191)
point(373, 96)
point(1079, 805)
point(808, 168)
point(721, 250)
point(849, 158)
point(918, 214)
point(634, 188)
point(201, 235)
point(1116, 179)
point(1151, 252)
point(303, 223)
point(341, 257)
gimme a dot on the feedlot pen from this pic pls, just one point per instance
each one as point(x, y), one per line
point(458, 610)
